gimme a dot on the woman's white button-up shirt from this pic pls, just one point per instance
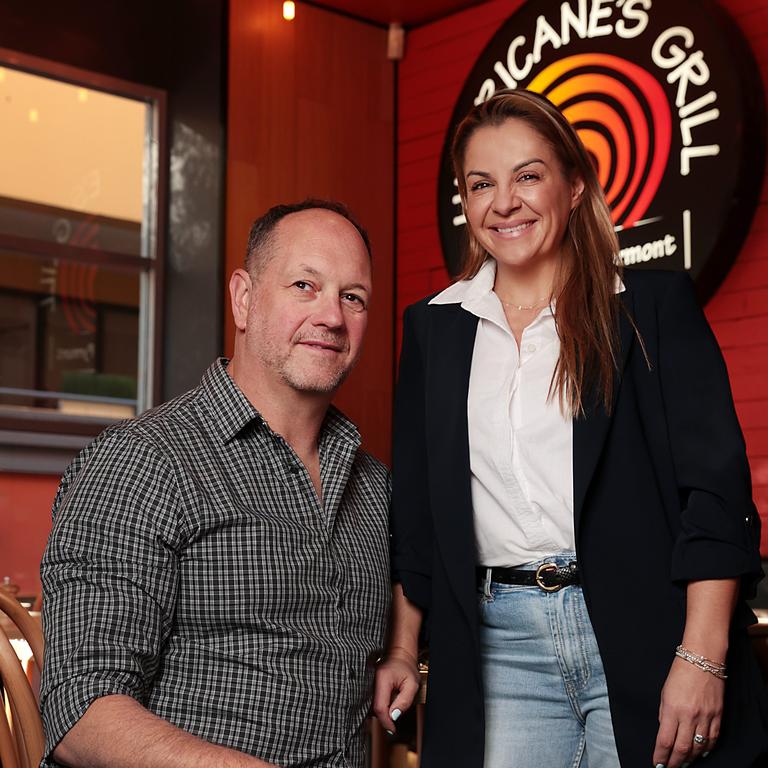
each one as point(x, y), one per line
point(520, 442)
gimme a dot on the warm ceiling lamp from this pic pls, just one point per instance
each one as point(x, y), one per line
point(289, 10)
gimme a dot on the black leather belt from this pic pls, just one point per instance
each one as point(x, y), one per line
point(548, 576)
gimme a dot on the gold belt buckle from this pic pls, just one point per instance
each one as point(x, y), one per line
point(540, 571)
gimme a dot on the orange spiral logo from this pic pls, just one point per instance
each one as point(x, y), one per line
point(622, 116)
point(668, 100)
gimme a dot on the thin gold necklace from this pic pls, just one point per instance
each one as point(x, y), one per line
point(522, 307)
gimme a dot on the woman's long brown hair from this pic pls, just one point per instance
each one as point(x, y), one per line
point(587, 305)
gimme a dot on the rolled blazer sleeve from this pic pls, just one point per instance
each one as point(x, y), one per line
point(719, 526)
point(411, 518)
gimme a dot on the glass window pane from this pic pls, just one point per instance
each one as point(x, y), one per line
point(69, 336)
point(78, 243)
point(73, 163)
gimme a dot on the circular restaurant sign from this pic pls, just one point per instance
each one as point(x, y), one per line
point(667, 100)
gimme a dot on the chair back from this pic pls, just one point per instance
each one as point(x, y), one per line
point(25, 726)
point(21, 732)
point(9, 757)
point(29, 628)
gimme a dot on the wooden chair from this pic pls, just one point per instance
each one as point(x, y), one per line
point(26, 725)
point(9, 757)
point(30, 630)
point(21, 731)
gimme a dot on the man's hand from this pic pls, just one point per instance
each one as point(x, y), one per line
point(117, 732)
point(397, 682)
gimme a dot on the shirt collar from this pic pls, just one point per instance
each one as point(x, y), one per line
point(337, 427)
point(469, 292)
point(477, 296)
point(232, 411)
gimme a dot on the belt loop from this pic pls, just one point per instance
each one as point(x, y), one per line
point(487, 582)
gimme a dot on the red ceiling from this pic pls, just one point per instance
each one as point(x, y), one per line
point(408, 13)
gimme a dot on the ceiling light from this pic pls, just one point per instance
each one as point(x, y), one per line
point(289, 10)
point(33, 116)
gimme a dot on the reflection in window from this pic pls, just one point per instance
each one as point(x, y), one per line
point(69, 336)
point(76, 248)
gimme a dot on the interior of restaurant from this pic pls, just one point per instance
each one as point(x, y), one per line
point(138, 141)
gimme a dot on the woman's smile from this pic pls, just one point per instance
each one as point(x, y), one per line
point(518, 197)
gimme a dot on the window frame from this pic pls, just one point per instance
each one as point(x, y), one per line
point(30, 442)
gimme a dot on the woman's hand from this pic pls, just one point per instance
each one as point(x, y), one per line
point(397, 681)
point(691, 703)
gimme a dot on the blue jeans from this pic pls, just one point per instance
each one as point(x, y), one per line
point(546, 702)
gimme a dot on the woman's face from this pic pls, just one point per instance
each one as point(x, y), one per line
point(518, 198)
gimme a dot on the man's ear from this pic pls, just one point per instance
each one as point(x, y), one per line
point(240, 296)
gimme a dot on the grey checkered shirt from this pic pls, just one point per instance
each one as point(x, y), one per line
point(192, 567)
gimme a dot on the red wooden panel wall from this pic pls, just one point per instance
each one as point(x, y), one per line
point(311, 114)
point(438, 59)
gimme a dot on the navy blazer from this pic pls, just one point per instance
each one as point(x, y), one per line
point(662, 495)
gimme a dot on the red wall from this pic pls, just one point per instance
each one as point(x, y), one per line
point(25, 520)
point(438, 58)
point(311, 114)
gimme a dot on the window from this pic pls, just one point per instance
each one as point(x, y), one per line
point(80, 262)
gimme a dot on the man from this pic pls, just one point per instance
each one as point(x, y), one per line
point(216, 580)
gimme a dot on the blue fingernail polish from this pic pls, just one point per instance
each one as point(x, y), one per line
point(391, 733)
point(705, 754)
point(659, 765)
point(395, 713)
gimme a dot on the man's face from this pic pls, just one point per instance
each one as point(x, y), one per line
point(308, 306)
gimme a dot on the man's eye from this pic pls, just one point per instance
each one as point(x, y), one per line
point(353, 299)
point(478, 185)
point(303, 285)
point(528, 177)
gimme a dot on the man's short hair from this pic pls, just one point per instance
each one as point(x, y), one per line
point(262, 230)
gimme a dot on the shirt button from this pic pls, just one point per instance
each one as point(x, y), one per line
point(529, 348)
point(293, 469)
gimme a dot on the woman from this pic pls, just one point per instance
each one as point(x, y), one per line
point(572, 508)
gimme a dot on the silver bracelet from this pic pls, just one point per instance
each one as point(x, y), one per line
point(707, 665)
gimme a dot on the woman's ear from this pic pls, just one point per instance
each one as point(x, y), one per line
point(577, 190)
